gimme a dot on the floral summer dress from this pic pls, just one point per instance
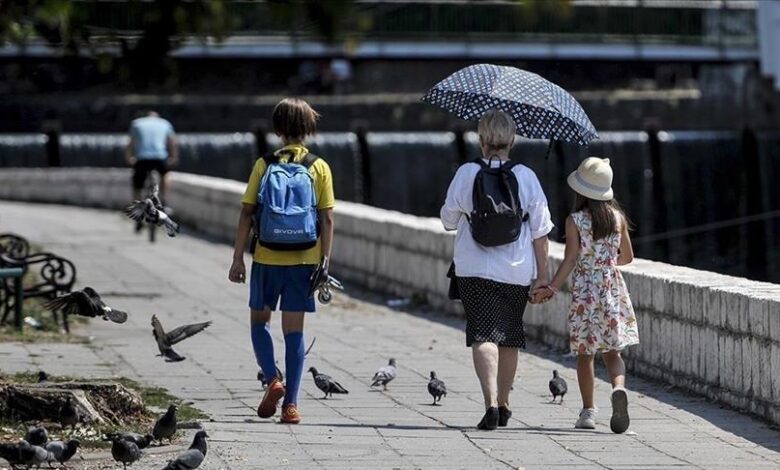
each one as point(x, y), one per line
point(601, 317)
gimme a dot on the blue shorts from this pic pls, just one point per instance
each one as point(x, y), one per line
point(268, 283)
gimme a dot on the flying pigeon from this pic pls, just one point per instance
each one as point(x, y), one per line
point(125, 451)
point(165, 427)
point(86, 303)
point(68, 414)
point(12, 453)
point(62, 451)
point(279, 374)
point(151, 211)
point(142, 441)
point(385, 375)
point(166, 340)
point(436, 388)
point(558, 386)
point(192, 457)
point(326, 383)
point(37, 436)
point(42, 377)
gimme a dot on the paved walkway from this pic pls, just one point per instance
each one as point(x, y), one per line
point(184, 279)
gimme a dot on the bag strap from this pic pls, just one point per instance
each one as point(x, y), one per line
point(309, 160)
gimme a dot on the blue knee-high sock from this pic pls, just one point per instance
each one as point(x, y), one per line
point(293, 363)
point(263, 344)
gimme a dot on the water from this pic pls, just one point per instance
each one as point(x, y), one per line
point(695, 198)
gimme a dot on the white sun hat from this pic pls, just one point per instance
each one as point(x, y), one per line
point(593, 179)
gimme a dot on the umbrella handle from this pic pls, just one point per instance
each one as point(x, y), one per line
point(549, 147)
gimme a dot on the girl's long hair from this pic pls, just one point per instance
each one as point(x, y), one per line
point(603, 220)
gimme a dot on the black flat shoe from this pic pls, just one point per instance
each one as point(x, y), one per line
point(490, 420)
point(504, 414)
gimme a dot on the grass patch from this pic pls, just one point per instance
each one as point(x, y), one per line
point(91, 435)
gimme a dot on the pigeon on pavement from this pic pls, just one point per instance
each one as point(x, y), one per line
point(62, 451)
point(558, 387)
point(142, 441)
point(12, 453)
point(192, 457)
point(326, 383)
point(37, 436)
point(436, 388)
point(86, 303)
point(165, 427)
point(33, 455)
point(151, 211)
point(69, 414)
point(385, 375)
point(166, 340)
point(125, 452)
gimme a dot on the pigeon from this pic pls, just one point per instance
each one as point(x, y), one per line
point(558, 386)
point(12, 453)
point(326, 383)
point(151, 211)
point(142, 441)
point(62, 451)
point(165, 427)
point(385, 375)
point(86, 303)
point(166, 340)
point(33, 455)
point(436, 388)
point(42, 377)
point(192, 457)
point(125, 451)
point(279, 374)
point(69, 414)
point(37, 436)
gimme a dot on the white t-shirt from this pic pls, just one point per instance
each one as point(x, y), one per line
point(513, 263)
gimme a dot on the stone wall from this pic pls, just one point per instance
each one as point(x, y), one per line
point(715, 335)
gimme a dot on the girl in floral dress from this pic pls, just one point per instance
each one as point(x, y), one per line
point(601, 317)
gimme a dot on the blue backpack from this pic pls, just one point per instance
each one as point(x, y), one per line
point(286, 218)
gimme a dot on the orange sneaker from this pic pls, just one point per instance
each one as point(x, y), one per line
point(290, 414)
point(273, 393)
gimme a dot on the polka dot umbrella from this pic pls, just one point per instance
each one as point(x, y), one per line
point(541, 109)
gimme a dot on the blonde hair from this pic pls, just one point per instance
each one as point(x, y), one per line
point(496, 130)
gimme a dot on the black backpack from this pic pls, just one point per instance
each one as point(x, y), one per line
point(496, 187)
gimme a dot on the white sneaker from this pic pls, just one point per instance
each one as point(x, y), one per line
point(587, 419)
point(620, 421)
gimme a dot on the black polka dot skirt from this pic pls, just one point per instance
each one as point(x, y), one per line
point(494, 311)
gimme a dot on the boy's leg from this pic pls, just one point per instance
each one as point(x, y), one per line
point(507, 367)
point(292, 327)
point(585, 379)
point(616, 368)
point(262, 342)
point(485, 357)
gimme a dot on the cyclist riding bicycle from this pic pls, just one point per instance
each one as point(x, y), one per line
point(153, 147)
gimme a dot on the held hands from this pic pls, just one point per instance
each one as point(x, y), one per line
point(237, 271)
point(541, 292)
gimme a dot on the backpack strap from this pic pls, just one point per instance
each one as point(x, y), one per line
point(309, 160)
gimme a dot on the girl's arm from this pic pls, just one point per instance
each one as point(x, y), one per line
point(626, 254)
point(570, 255)
point(238, 270)
point(326, 218)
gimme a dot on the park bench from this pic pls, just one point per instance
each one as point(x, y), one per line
point(47, 276)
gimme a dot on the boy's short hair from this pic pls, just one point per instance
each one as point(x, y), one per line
point(294, 118)
point(497, 129)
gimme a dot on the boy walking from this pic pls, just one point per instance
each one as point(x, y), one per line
point(289, 201)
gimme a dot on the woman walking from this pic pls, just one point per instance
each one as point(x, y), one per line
point(500, 251)
point(601, 317)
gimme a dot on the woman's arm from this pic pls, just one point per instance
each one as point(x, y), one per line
point(238, 270)
point(626, 250)
point(327, 227)
point(570, 255)
point(453, 210)
point(541, 252)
